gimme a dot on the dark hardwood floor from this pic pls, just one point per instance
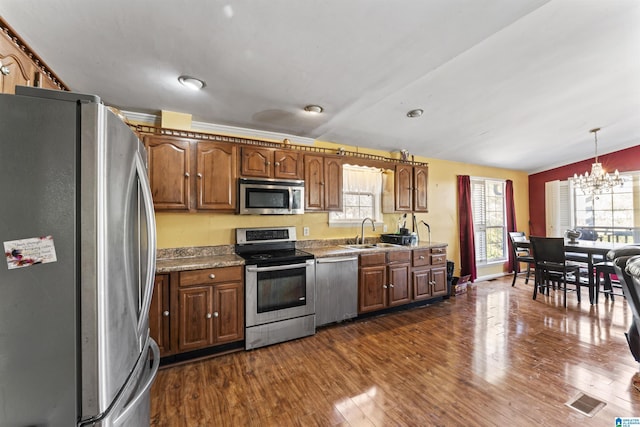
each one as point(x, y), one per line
point(490, 357)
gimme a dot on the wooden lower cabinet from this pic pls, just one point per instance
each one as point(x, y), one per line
point(429, 273)
point(159, 314)
point(211, 305)
point(399, 277)
point(197, 309)
point(383, 280)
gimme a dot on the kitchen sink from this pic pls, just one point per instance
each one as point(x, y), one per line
point(372, 246)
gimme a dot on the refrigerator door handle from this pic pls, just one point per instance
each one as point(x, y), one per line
point(144, 390)
point(151, 236)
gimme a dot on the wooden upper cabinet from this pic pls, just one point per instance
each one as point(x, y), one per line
point(216, 176)
point(263, 162)
point(20, 66)
point(17, 68)
point(410, 188)
point(169, 171)
point(420, 184)
point(287, 164)
point(404, 187)
point(333, 183)
point(257, 162)
point(323, 183)
point(314, 182)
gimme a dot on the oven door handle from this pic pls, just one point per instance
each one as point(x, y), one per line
point(276, 267)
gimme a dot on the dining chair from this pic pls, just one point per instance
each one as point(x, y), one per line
point(552, 266)
point(521, 252)
point(610, 281)
point(626, 264)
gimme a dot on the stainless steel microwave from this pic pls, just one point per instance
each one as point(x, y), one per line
point(271, 196)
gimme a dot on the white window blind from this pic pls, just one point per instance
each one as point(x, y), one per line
point(558, 207)
point(489, 219)
point(361, 195)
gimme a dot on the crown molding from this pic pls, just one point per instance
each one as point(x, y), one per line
point(154, 120)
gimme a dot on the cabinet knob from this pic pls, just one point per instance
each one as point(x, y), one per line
point(267, 163)
point(186, 174)
point(215, 314)
point(165, 313)
point(199, 175)
point(4, 70)
point(384, 286)
point(277, 163)
point(391, 285)
point(421, 257)
point(322, 183)
point(208, 316)
point(212, 276)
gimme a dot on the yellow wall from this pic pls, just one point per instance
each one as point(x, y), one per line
point(208, 229)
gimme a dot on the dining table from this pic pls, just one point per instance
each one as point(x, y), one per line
point(589, 252)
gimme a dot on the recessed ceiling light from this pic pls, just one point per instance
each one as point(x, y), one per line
point(192, 82)
point(415, 113)
point(315, 109)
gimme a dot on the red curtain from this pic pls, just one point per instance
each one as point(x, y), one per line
point(467, 243)
point(511, 222)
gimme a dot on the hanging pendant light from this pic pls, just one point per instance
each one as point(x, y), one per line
point(598, 181)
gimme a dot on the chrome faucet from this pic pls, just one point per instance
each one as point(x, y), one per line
point(428, 229)
point(373, 227)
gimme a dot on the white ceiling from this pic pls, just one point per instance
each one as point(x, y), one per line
point(506, 83)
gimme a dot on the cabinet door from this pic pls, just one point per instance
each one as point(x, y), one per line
point(403, 187)
point(333, 183)
point(228, 315)
point(314, 182)
point(256, 161)
point(421, 280)
point(159, 313)
point(287, 165)
point(195, 318)
point(169, 172)
point(19, 71)
point(420, 181)
point(439, 281)
point(216, 176)
point(399, 292)
point(372, 288)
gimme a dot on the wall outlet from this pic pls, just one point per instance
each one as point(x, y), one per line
point(305, 231)
point(384, 228)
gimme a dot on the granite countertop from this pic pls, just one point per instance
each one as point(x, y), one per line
point(197, 263)
point(340, 250)
point(197, 258)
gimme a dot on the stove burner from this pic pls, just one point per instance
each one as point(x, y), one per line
point(261, 256)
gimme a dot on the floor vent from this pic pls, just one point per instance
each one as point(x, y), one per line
point(586, 405)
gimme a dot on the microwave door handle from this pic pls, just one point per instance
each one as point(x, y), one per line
point(290, 200)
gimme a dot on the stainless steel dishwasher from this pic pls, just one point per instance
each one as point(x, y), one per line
point(336, 289)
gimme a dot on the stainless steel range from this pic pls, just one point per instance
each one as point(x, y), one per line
point(279, 286)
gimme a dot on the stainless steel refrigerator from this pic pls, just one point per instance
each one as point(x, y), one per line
point(78, 229)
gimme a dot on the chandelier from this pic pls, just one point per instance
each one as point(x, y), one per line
point(598, 181)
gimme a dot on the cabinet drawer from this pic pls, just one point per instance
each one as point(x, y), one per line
point(210, 276)
point(438, 259)
point(438, 251)
point(399, 256)
point(378, 258)
point(421, 257)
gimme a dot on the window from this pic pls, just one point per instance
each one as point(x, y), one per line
point(612, 216)
point(361, 196)
point(489, 219)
